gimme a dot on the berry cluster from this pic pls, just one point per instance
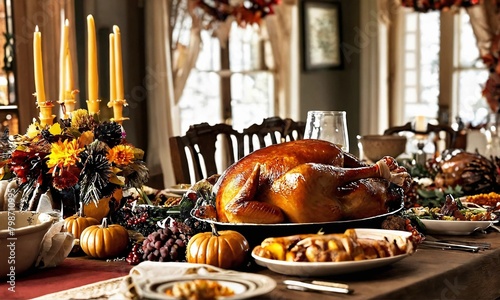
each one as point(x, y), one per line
point(196, 225)
point(167, 244)
point(142, 219)
point(416, 235)
point(135, 255)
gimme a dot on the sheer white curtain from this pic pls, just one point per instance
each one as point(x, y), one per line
point(375, 109)
point(160, 88)
point(185, 58)
point(170, 71)
point(282, 28)
point(485, 21)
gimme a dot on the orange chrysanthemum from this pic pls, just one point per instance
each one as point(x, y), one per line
point(121, 155)
point(64, 154)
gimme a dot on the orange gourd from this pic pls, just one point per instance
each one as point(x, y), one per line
point(102, 208)
point(104, 241)
point(78, 222)
point(226, 249)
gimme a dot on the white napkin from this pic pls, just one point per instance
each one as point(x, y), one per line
point(55, 247)
point(56, 244)
point(154, 269)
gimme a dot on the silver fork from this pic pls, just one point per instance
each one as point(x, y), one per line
point(455, 244)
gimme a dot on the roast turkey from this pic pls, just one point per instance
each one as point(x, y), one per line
point(307, 181)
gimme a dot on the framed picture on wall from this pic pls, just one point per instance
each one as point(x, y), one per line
point(321, 35)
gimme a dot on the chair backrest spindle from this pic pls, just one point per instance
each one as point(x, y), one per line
point(450, 138)
point(206, 149)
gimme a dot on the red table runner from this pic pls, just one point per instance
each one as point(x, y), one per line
point(39, 282)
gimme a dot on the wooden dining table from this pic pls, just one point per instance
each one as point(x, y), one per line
point(429, 273)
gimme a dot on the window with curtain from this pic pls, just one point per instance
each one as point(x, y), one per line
point(231, 82)
point(426, 38)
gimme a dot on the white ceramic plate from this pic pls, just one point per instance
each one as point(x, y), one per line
point(455, 227)
point(179, 189)
point(335, 268)
point(244, 285)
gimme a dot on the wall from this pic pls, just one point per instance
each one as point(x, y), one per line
point(337, 89)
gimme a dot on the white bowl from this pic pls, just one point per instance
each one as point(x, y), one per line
point(21, 233)
point(376, 147)
point(455, 227)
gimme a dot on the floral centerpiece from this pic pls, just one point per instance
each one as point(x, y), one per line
point(78, 159)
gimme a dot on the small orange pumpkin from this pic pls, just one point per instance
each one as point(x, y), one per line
point(103, 241)
point(225, 249)
point(101, 209)
point(78, 222)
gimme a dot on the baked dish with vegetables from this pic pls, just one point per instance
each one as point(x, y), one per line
point(337, 247)
point(453, 210)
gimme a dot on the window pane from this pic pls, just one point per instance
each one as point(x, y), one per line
point(429, 82)
point(410, 60)
point(422, 66)
point(411, 21)
point(471, 104)
point(410, 95)
point(250, 98)
point(415, 109)
point(411, 78)
point(245, 48)
point(411, 42)
point(209, 56)
point(200, 101)
point(429, 23)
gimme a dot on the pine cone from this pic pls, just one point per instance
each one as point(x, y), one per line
point(109, 132)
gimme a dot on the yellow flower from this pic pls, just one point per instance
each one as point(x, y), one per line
point(32, 130)
point(80, 118)
point(121, 155)
point(55, 129)
point(64, 154)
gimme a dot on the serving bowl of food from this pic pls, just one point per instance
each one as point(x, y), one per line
point(21, 234)
point(374, 147)
point(455, 227)
point(454, 217)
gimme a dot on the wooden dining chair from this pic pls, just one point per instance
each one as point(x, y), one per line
point(451, 135)
point(195, 152)
point(273, 130)
point(207, 150)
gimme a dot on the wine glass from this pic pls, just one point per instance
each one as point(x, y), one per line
point(329, 126)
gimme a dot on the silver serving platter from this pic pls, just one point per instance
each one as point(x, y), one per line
point(255, 233)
